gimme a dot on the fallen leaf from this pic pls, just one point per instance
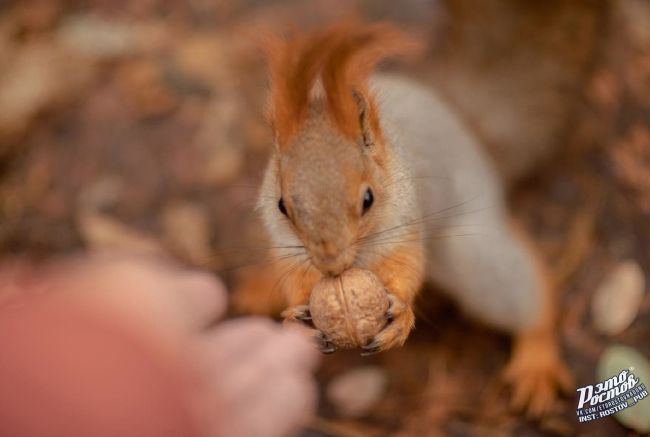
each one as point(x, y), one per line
point(355, 392)
point(203, 57)
point(36, 15)
point(102, 233)
point(616, 302)
point(36, 77)
point(104, 191)
point(613, 361)
point(144, 88)
point(186, 227)
point(96, 37)
point(219, 142)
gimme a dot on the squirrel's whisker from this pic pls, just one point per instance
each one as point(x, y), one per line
point(426, 217)
point(406, 231)
point(260, 262)
point(277, 286)
point(428, 238)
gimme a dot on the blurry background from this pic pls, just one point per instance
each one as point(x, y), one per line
point(140, 125)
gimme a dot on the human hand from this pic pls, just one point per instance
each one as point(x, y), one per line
point(247, 376)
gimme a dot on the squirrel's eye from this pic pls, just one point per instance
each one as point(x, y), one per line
point(281, 207)
point(368, 198)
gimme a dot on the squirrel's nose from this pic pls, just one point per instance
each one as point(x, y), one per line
point(328, 249)
point(335, 270)
point(332, 266)
point(329, 258)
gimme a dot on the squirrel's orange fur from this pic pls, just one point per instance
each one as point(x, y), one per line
point(343, 56)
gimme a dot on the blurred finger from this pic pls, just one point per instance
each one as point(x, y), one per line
point(304, 354)
point(259, 340)
point(272, 407)
point(204, 297)
point(292, 402)
point(233, 341)
point(277, 408)
point(169, 301)
point(254, 356)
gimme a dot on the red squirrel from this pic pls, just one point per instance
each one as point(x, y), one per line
point(375, 171)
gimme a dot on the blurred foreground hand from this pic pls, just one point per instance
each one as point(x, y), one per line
point(126, 347)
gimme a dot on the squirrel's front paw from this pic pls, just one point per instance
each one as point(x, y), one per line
point(400, 321)
point(300, 314)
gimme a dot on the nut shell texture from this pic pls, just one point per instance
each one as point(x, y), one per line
point(349, 309)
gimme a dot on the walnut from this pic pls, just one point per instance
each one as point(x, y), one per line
point(349, 309)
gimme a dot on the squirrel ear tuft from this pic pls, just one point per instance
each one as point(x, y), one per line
point(343, 55)
point(294, 66)
point(349, 65)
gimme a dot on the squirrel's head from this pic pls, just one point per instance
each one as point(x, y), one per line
point(328, 177)
point(330, 189)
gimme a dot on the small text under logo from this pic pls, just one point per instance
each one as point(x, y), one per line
point(610, 396)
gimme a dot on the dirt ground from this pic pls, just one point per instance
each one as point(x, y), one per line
point(144, 122)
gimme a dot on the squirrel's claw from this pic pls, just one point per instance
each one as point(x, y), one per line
point(400, 321)
point(300, 314)
point(324, 344)
point(371, 348)
point(395, 305)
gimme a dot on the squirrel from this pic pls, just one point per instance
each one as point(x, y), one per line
point(374, 170)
